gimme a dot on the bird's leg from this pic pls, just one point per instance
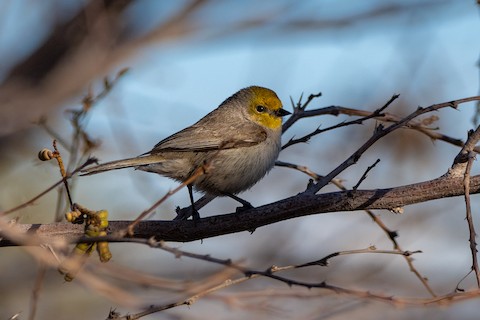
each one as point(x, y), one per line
point(245, 204)
point(194, 211)
point(185, 213)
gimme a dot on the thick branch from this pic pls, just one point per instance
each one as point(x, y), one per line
point(293, 207)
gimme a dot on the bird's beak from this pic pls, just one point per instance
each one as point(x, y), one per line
point(282, 112)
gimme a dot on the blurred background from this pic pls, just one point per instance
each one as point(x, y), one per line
point(184, 59)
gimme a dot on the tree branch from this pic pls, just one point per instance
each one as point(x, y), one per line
point(303, 204)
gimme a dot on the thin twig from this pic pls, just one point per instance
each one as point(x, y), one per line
point(197, 173)
point(471, 226)
point(271, 273)
point(63, 173)
point(42, 269)
point(464, 161)
point(392, 235)
point(300, 112)
point(249, 274)
point(380, 132)
point(364, 175)
point(376, 113)
point(462, 165)
point(457, 287)
point(30, 243)
point(371, 249)
point(32, 201)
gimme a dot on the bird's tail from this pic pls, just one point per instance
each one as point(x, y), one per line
point(120, 164)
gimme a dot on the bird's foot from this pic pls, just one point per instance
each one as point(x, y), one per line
point(187, 212)
point(246, 206)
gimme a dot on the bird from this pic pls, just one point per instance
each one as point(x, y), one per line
point(240, 140)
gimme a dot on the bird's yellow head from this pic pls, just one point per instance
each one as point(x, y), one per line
point(265, 107)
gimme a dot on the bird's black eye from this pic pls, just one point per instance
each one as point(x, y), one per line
point(261, 109)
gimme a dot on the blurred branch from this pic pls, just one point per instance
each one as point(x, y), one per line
point(66, 37)
point(41, 194)
point(42, 270)
point(76, 52)
point(49, 258)
point(248, 275)
point(97, 38)
point(272, 272)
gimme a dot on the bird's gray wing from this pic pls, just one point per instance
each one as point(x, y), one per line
point(203, 138)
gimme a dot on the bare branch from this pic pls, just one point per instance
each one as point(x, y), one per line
point(249, 274)
point(471, 227)
point(392, 235)
point(463, 162)
point(307, 137)
point(301, 205)
point(364, 176)
point(420, 126)
point(379, 133)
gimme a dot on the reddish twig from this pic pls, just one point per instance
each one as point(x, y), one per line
point(197, 173)
point(32, 201)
